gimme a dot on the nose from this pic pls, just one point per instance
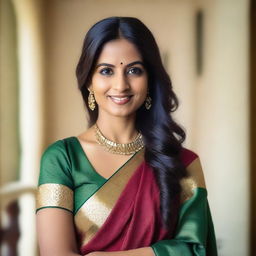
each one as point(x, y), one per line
point(121, 82)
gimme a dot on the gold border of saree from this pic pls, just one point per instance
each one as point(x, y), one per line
point(54, 195)
point(95, 211)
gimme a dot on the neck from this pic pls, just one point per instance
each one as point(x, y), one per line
point(117, 129)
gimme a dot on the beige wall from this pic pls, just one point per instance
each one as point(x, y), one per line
point(9, 139)
point(214, 107)
point(222, 121)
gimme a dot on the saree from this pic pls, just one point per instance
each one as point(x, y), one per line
point(123, 212)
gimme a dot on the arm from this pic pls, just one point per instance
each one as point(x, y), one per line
point(56, 235)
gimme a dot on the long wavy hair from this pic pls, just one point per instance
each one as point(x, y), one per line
point(162, 136)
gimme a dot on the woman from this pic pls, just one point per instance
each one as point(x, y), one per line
point(125, 186)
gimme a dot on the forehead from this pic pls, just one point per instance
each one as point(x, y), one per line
point(119, 50)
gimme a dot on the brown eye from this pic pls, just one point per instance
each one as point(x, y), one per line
point(106, 71)
point(135, 71)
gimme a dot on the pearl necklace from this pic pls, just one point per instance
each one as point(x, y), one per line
point(119, 148)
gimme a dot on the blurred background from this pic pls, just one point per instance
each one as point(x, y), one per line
point(209, 50)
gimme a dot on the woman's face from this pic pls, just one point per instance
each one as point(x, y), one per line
point(119, 81)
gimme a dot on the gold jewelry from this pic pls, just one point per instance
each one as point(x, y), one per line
point(91, 100)
point(148, 102)
point(119, 148)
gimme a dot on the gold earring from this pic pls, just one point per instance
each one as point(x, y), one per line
point(148, 102)
point(91, 101)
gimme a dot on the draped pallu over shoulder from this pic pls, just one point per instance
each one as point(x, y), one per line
point(94, 212)
point(133, 219)
point(124, 213)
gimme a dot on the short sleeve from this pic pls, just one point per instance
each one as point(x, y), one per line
point(187, 156)
point(195, 175)
point(55, 185)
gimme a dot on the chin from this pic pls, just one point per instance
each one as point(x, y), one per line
point(121, 113)
point(130, 114)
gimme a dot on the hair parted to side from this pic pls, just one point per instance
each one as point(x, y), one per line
point(163, 137)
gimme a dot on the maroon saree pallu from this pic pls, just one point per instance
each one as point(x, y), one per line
point(135, 219)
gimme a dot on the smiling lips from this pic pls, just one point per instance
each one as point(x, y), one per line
point(120, 100)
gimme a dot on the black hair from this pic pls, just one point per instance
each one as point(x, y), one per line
point(162, 136)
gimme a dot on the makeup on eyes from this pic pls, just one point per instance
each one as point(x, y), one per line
point(108, 68)
point(132, 71)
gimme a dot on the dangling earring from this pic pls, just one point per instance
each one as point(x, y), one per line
point(91, 101)
point(148, 102)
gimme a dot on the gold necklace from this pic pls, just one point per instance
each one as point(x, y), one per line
point(119, 148)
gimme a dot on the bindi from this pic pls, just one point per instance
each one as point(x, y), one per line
point(121, 63)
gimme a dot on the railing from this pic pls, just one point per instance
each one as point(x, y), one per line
point(9, 213)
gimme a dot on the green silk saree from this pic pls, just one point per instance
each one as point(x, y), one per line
point(123, 212)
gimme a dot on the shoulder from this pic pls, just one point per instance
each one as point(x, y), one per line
point(55, 165)
point(57, 149)
point(55, 152)
point(195, 174)
point(187, 156)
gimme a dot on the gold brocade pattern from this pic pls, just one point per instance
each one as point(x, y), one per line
point(188, 185)
point(94, 212)
point(54, 195)
point(194, 180)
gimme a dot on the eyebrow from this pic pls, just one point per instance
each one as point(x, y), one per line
point(112, 66)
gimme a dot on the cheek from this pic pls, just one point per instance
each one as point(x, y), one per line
point(142, 86)
point(99, 85)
